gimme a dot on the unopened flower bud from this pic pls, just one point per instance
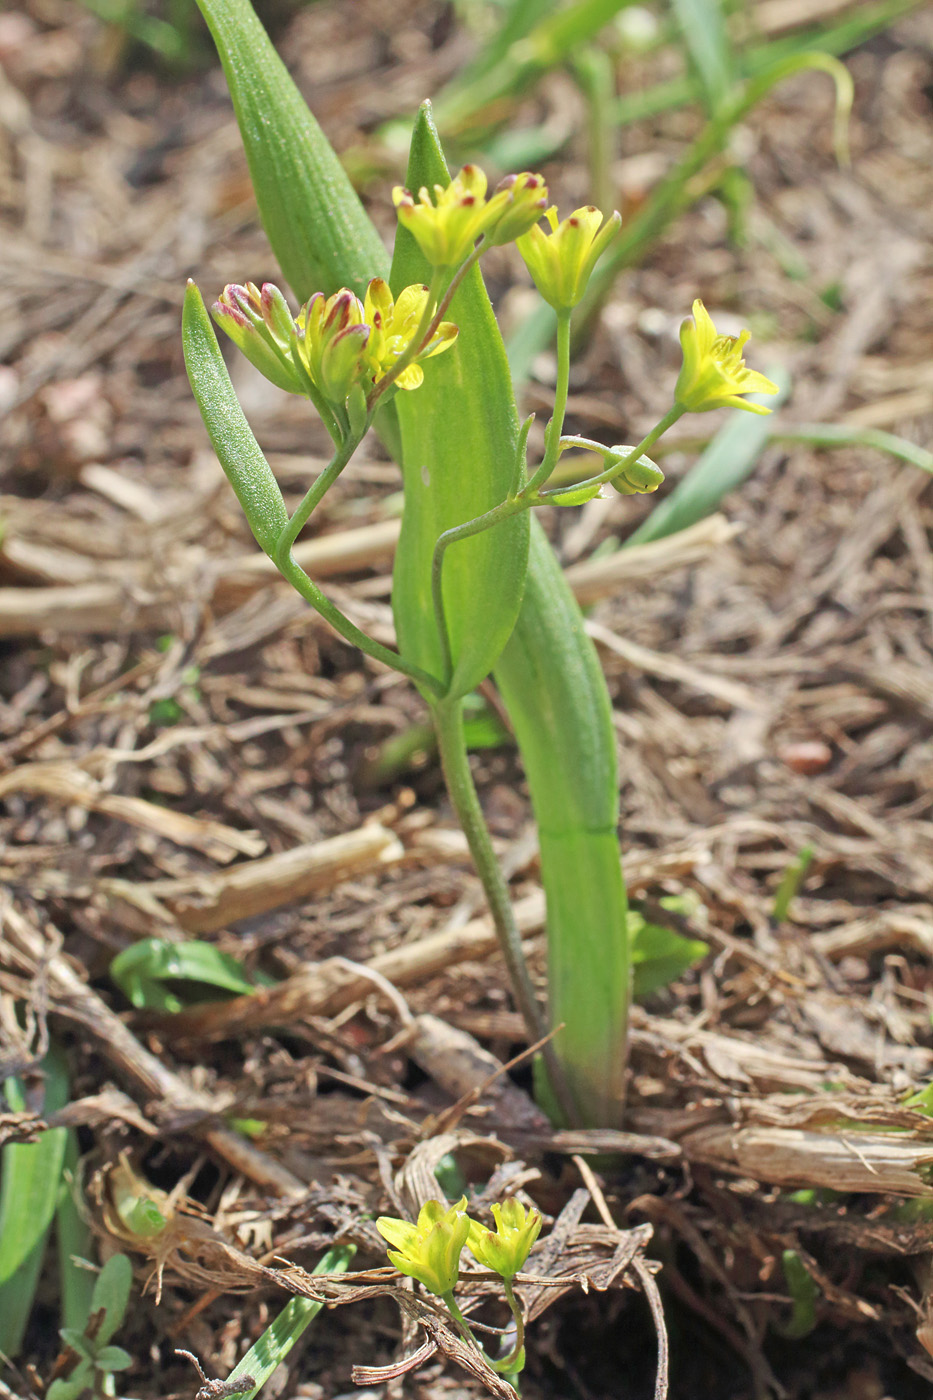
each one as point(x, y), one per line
point(259, 323)
point(527, 201)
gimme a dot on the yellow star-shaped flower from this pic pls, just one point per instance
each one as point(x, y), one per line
point(714, 373)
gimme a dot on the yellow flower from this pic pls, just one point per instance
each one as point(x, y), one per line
point(713, 373)
point(429, 1251)
point(446, 227)
point(562, 261)
point(393, 325)
point(505, 1250)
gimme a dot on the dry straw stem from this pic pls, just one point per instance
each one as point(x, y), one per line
point(206, 903)
point(325, 988)
point(71, 785)
point(116, 607)
point(25, 948)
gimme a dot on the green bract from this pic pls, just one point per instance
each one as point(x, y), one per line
point(429, 1251)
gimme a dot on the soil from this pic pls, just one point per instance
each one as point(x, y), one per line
point(169, 713)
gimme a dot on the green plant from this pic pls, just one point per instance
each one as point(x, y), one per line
point(31, 1185)
point(89, 1361)
point(430, 1251)
point(250, 1374)
point(477, 586)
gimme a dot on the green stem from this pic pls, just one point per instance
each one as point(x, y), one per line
point(315, 495)
point(448, 722)
point(506, 508)
point(342, 625)
point(556, 425)
point(505, 1366)
point(463, 1327)
point(530, 495)
point(619, 468)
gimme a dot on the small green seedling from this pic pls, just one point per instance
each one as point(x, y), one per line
point(89, 1360)
point(142, 970)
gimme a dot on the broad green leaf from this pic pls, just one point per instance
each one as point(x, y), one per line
point(231, 436)
point(459, 439)
point(310, 211)
point(140, 970)
point(554, 690)
point(112, 1359)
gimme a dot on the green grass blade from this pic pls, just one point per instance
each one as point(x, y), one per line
point(282, 1334)
point(838, 435)
point(533, 53)
point(703, 26)
point(75, 1240)
point(729, 460)
point(29, 1190)
point(791, 880)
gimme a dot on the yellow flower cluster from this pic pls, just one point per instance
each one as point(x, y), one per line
point(335, 342)
point(430, 1250)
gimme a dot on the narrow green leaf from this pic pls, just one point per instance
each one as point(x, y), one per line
point(573, 496)
point(282, 1334)
point(231, 436)
point(553, 687)
point(459, 440)
point(140, 970)
point(313, 218)
point(74, 1240)
point(729, 460)
point(29, 1187)
point(703, 26)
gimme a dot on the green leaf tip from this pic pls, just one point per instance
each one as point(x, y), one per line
point(231, 437)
